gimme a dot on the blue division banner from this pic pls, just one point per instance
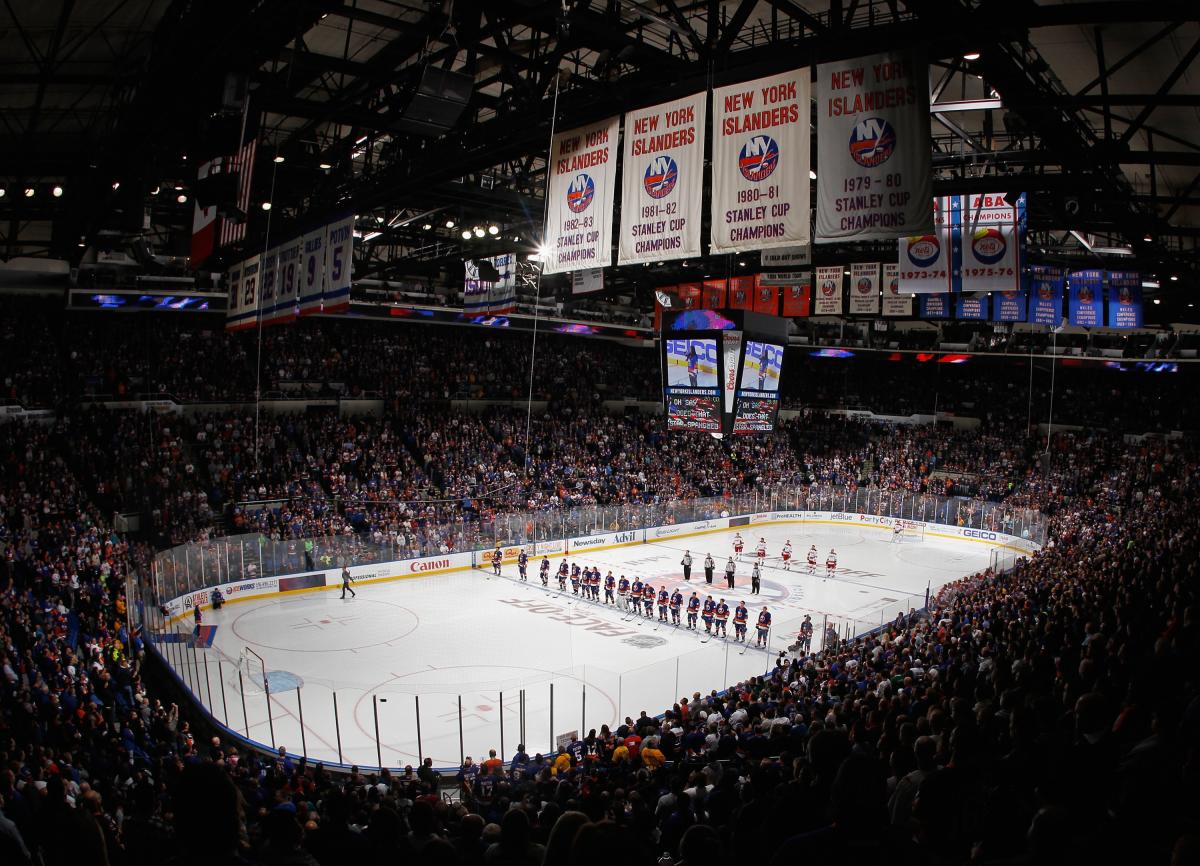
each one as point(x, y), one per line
point(934, 305)
point(1085, 307)
point(874, 180)
point(1045, 295)
point(972, 307)
point(1124, 299)
point(1009, 306)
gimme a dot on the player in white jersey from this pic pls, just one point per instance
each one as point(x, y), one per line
point(762, 550)
point(786, 555)
point(738, 544)
point(812, 559)
point(897, 531)
point(831, 563)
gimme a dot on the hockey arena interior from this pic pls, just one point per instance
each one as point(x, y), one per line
point(599, 431)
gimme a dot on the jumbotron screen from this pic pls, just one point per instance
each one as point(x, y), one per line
point(757, 402)
point(693, 395)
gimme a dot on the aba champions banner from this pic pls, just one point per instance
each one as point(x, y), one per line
point(874, 177)
point(864, 289)
point(991, 259)
point(894, 303)
point(579, 215)
point(760, 164)
point(662, 184)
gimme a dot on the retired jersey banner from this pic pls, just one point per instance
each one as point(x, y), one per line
point(312, 272)
point(760, 163)
point(1045, 295)
point(828, 296)
point(233, 306)
point(714, 294)
point(662, 184)
point(874, 178)
point(972, 307)
point(268, 284)
point(288, 280)
point(895, 303)
point(935, 306)
point(689, 295)
point(864, 289)
point(579, 215)
point(741, 293)
point(797, 297)
point(1009, 306)
point(1084, 305)
point(1124, 300)
point(339, 251)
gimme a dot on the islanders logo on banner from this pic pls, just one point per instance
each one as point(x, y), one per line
point(758, 158)
point(1086, 294)
point(872, 142)
point(1124, 295)
point(1047, 291)
point(988, 245)
point(828, 287)
point(894, 285)
point(924, 250)
point(864, 286)
point(661, 175)
point(580, 193)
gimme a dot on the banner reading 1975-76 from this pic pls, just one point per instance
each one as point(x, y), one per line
point(760, 164)
point(662, 181)
point(579, 215)
point(874, 177)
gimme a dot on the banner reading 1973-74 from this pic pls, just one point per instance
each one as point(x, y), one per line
point(874, 177)
point(579, 215)
point(760, 164)
point(662, 181)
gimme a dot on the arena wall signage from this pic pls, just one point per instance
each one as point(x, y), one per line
point(579, 214)
point(662, 183)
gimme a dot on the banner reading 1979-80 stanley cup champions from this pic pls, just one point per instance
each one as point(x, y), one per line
point(662, 181)
point(760, 163)
point(579, 215)
point(873, 152)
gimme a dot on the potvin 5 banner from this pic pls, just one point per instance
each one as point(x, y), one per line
point(579, 215)
point(874, 177)
point(662, 182)
point(760, 164)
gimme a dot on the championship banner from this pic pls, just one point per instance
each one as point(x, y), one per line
point(1124, 299)
point(991, 258)
point(894, 303)
point(587, 281)
point(662, 184)
point(288, 280)
point(741, 293)
point(874, 178)
point(339, 252)
point(829, 292)
point(766, 299)
point(760, 163)
point(797, 298)
point(689, 295)
point(233, 307)
point(1009, 306)
point(1045, 295)
point(864, 289)
point(935, 305)
point(312, 272)
point(1084, 306)
point(579, 214)
point(714, 294)
point(972, 307)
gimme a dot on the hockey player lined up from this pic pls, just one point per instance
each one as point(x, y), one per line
point(594, 583)
point(710, 607)
point(497, 558)
point(738, 544)
point(693, 611)
point(648, 600)
point(523, 565)
point(812, 559)
point(786, 555)
point(664, 602)
point(610, 583)
point(574, 578)
point(686, 562)
point(722, 612)
point(544, 570)
point(740, 616)
point(730, 568)
point(676, 604)
point(831, 563)
point(763, 626)
point(761, 551)
point(635, 594)
point(755, 579)
point(562, 576)
point(623, 591)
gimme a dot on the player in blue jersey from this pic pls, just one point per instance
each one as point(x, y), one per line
point(635, 594)
point(545, 570)
point(497, 558)
point(610, 584)
point(740, 616)
point(722, 612)
point(623, 591)
point(664, 602)
point(648, 600)
point(763, 626)
point(707, 614)
point(693, 611)
point(562, 576)
point(522, 564)
point(676, 604)
point(693, 365)
point(574, 578)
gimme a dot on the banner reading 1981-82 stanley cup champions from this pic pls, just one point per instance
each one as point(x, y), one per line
point(874, 179)
point(760, 163)
point(662, 181)
point(579, 215)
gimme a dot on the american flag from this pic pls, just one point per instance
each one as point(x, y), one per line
point(241, 162)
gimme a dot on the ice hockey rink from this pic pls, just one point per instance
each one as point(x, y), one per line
point(526, 664)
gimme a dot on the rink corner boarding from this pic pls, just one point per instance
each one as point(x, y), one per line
point(322, 580)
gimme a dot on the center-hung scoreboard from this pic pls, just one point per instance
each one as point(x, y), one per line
point(721, 370)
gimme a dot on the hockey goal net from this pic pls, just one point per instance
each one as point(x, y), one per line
point(908, 530)
point(253, 670)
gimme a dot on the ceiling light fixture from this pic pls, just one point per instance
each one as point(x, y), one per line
point(1174, 278)
point(57, 192)
point(493, 229)
point(812, 175)
point(478, 232)
point(427, 227)
point(266, 205)
point(181, 198)
point(324, 166)
point(279, 158)
point(466, 235)
point(449, 224)
point(29, 191)
point(971, 55)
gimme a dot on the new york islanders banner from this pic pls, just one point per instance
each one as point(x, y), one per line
point(1084, 306)
point(874, 178)
point(864, 289)
point(1009, 306)
point(760, 164)
point(1124, 299)
point(894, 303)
point(741, 293)
point(1045, 295)
point(828, 296)
point(797, 296)
point(662, 182)
point(579, 215)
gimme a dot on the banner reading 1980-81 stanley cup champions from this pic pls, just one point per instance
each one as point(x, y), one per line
point(579, 215)
point(873, 154)
point(662, 181)
point(760, 163)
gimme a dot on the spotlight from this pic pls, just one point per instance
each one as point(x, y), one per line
point(116, 185)
point(971, 55)
point(29, 191)
point(156, 190)
point(181, 198)
point(493, 230)
point(812, 175)
point(427, 227)
point(324, 166)
point(1157, 301)
point(516, 239)
point(3, 192)
point(279, 158)
point(57, 192)
point(1149, 238)
point(266, 205)
point(1174, 278)
point(478, 232)
point(466, 235)
point(449, 224)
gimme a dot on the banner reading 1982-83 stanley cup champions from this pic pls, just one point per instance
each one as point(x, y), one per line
point(662, 181)
point(873, 152)
point(579, 215)
point(760, 163)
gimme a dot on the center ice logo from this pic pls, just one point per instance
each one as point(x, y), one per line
point(580, 193)
point(872, 142)
point(661, 174)
point(924, 250)
point(758, 158)
point(988, 245)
